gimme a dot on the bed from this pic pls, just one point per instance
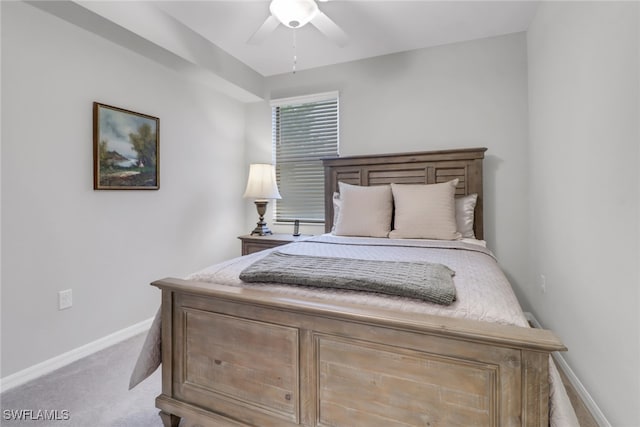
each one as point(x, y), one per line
point(237, 354)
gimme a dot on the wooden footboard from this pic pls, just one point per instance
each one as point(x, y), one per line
point(239, 357)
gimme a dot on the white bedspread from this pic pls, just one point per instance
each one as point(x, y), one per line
point(482, 291)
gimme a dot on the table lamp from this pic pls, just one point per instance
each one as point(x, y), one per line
point(261, 186)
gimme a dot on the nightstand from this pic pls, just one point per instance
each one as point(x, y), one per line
point(251, 244)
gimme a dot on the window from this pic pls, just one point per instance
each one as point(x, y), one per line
point(304, 130)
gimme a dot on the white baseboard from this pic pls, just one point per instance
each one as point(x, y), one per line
point(64, 359)
point(573, 379)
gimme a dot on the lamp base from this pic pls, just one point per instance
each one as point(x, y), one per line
point(261, 230)
point(261, 227)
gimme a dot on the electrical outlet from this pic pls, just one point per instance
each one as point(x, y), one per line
point(65, 299)
point(543, 283)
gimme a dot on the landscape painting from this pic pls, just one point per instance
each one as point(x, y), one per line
point(125, 149)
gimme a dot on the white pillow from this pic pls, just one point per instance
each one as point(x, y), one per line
point(364, 211)
point(465, 212)
point(336, 209)
point(425, 211)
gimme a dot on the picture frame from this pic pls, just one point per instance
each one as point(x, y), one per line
point(126, 149)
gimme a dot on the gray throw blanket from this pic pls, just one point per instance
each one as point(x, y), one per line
point(421, 280)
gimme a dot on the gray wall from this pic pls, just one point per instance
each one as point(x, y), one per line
point(460, 95)
point(584, 228)
point(57, 233)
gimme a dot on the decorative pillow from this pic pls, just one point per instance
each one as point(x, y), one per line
point(336, 209)
point(364, 211)
point(465, 208)
point(425, 211)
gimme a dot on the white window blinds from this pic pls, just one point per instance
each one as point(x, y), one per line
point(304, 130)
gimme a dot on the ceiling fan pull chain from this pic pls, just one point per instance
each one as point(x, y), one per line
point(295, 56)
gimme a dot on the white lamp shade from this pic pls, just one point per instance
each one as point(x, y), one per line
point(294, 13)
point(262, 182)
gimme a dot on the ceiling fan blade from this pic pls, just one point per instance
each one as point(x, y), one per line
point(267, 27)
point(330, 29)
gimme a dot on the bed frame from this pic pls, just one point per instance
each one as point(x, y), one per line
point(251, 357)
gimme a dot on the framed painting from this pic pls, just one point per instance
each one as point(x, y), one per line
point(125, 149)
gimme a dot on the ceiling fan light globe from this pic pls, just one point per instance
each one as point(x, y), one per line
point(294, 13)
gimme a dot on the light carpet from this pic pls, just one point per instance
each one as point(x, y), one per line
point(93, 390)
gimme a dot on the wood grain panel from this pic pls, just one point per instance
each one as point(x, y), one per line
point(385, 174)
point(382, 386)
point(535, 385)
point(350, 176)
point(253, 362)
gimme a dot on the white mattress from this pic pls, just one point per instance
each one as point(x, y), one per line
point(482, 291)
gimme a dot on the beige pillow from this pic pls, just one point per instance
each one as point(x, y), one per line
point(364, 211)
point(465, 212)
point(425, 211)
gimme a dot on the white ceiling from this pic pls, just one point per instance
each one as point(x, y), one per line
point(374, 28)
point(206, 40)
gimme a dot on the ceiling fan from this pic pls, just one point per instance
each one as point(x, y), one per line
point(296, 14)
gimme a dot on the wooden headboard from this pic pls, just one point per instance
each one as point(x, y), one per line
point(429, 167)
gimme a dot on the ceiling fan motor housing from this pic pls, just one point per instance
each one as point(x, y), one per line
point(294, 13)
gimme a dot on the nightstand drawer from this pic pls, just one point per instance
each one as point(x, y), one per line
point(252, 244)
